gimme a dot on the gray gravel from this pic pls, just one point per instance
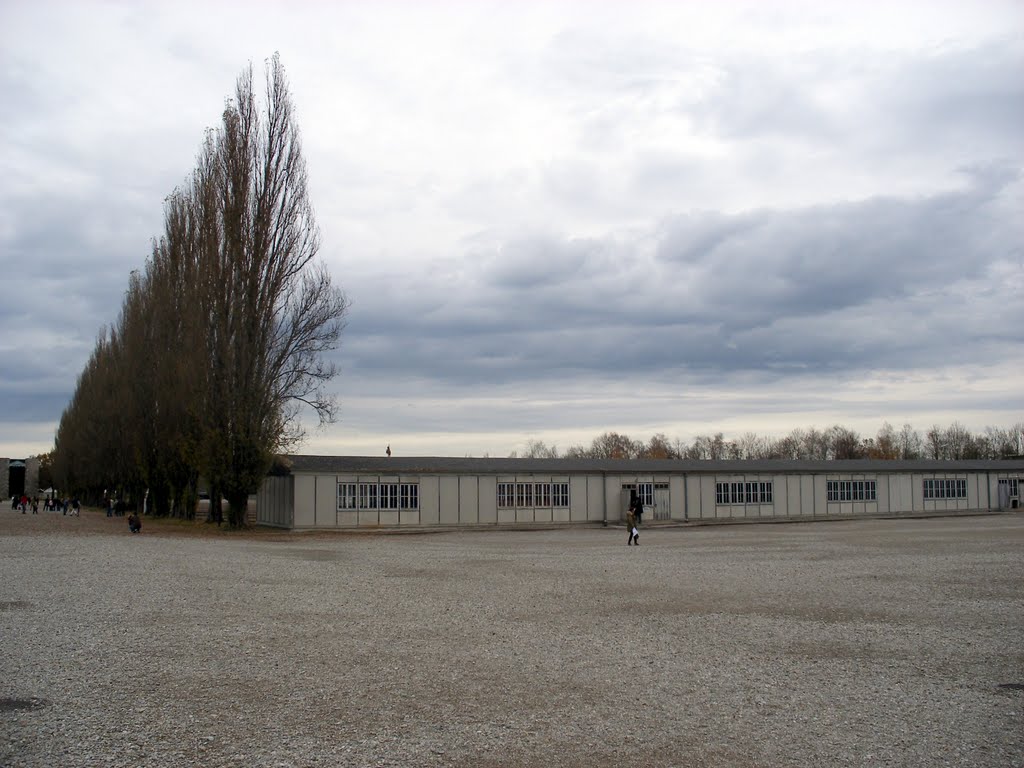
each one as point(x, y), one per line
point(861, 643)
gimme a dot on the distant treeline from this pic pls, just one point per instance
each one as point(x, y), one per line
point(836, 442)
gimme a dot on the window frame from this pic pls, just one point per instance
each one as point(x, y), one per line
point(409, 496)
point(348, 496)
point(560, 495)
point(506, 495)
point(732, 493)
point(646, 493)
point(368, 496)
point(387, 495)
point(944, 488)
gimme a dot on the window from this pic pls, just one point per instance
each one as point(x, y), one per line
point(524, 494)
point(744, 493)
point(346, 495)
point(852, 490)
point(735, 493)
point(533, 494)
point(410, 496)
point(506, 494)
point(752, 495)
point(389, 495)
point(560, 494)
point(1012, 485)
point(646, 493)
point(542, 494)
point(368, 496)
point(945, 488)
point(374, 496)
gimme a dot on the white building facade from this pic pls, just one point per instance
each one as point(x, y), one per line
point(350, 492)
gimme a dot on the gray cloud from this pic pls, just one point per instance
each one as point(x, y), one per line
point(780, 290)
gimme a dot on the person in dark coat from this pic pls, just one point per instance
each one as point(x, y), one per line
point(633, 536)
point(633, 519)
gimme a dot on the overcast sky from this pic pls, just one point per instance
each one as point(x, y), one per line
point(556, 219)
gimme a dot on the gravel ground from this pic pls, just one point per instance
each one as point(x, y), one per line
point(860, 643)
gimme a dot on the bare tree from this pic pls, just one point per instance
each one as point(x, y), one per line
point(844, 443)
point(885, 444)
point(699, 449)
point(273, 312)
point(790, 446)
point(935, 442)
point(752, 446)
point(816, 445)
point(612, 445)
point(910, 444)
point(959, 442)
point(658, 447)
point(537, 449)
point(1004, 443)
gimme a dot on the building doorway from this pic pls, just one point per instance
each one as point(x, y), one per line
point(662, 507)
point(16, 478)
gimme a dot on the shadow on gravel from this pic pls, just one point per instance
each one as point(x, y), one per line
point(22, 705)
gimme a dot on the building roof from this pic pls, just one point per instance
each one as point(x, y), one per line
point(425, 465)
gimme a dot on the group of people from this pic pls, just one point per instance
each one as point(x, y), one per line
point(118, 508)
point(69, 506)
point(115, 507)
point(73, 507)
point(633, 518)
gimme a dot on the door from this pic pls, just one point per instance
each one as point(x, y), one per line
point(662, 508)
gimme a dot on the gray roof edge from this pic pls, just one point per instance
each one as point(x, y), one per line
point(310, 464)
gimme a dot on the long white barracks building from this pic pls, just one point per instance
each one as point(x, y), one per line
point(327, 492)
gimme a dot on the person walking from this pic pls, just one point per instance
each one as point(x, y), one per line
point(636, 509)
point(633, 535)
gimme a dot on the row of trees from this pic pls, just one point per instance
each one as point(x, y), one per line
point(221, 337)
point(836, 442)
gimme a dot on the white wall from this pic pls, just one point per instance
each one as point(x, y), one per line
point(310, 501)
point(274, 502)
point(305, 496)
